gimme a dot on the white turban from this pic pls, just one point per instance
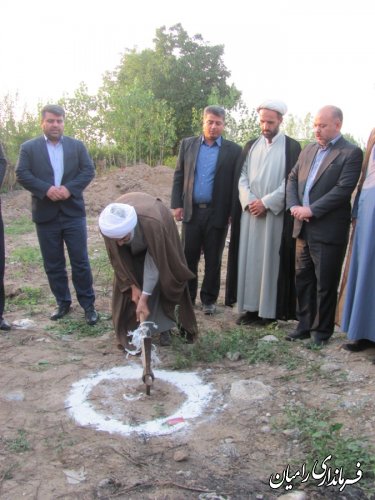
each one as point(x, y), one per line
point(117, 220)
point(274, 105)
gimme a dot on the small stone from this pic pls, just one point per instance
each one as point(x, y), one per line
point(265, 429)
point(330, 367)
point(249, 390)
point(269, 338)
point(294, 495)
point(180, 456)
point(233, 356)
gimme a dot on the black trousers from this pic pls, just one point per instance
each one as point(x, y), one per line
point(2, 266)
point(199, 236)
point(52, 235)
point(318, 271)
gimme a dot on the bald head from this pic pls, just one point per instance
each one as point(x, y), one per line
point(327, 124)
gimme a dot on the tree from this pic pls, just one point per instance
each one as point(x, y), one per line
point(183, 72)
point(301, 129)
point(140, 126)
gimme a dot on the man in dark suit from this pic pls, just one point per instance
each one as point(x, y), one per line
point(4, 325)
point(56, 169)
point(202, 197)
point(318, 195)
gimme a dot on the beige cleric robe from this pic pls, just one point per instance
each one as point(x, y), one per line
point(164, 245)
point(262, 177)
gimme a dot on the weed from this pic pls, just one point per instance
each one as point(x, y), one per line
point(101, 267)
point(28, 296)
point(27, 256)
point(69, 326)
point(213, 346)
point(21, 225)
point(322, 436)
point(59, 442)
point(7, 473)
point(19, 444)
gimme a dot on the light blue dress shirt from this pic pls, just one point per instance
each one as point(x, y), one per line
point(56, 156)
point(205, 171)
point(318, 160)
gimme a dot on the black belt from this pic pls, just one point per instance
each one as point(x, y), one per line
point(202, 205)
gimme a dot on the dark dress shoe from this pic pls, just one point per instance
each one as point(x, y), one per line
point(247, 318)
point(209, 309)
point(60, 312)
point(297, 335)
point(4, 325)
point(360, 345)
point(265, 321)
point(91, 316)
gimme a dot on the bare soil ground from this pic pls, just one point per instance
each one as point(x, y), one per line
point(229, 451)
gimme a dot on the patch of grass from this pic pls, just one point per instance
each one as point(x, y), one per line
point(322, 436)
point(19, 444)
point(59, 442)
point(26, 256)
point(8, 472)
point(101, 268)
point(212, 346)
point(28, 296)
point(70, 326)
point(21, 225)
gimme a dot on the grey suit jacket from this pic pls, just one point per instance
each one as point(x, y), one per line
point(330, 193)
point(35, 173)
point(183, 181)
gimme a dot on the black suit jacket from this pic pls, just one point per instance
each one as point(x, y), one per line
point(183, 181)
point(330, 193)
point(35, 173)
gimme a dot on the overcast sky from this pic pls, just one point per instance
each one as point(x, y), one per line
point(306, 53)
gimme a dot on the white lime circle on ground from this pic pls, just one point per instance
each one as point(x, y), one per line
point(198, 394)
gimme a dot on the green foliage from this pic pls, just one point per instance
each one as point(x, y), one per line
point(84, 121)
point(19, 444)
point(14, 131)
point(101, 268)
point(28, 296)
point(141, 126)
point(213, 346)
point(300, 129)
point(70, 326)
point(242, 125)
point(322, 436)
point(21, 225)
point(27, 256)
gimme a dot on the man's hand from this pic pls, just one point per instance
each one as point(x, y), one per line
point(142, 312)
point(136, 294)
point(178, 213)
point(257, 208)
point(302, 213)
point(65, 193)
point(58, 193)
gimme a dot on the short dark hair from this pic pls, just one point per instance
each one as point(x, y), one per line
point(215, 110)
point(55, 109)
